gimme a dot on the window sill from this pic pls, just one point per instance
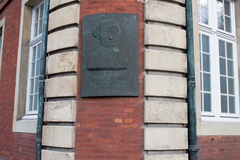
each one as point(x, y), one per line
point(223, 127)
point(25, 125)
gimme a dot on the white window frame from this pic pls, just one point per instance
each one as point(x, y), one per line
point(215, 34)
point(211, 49)
point(34, 41)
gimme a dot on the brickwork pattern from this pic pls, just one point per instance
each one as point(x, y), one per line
point(219, 147)
point(17, 146)
point(111, 127)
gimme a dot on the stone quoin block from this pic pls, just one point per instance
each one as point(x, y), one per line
point(62, 63)
point(165, 61)
point(165, 112)
point(165, 36)
point(165, 12)
point(166, 86)
point(61, 87)
point(60, 111)
point(58, 136)
point(167, 157)
point(56, 3)
point(56, 155)
point(165, 138)
point(63, 39)
point(177, 1)
point(64, 16)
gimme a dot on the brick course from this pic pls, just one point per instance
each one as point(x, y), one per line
point(17, 146)
point(219, 147)
point(111, 127)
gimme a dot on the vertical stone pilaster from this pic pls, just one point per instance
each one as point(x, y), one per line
point(61, 85)
point(165, 136)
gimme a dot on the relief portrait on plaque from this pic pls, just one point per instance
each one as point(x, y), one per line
point(109, 55)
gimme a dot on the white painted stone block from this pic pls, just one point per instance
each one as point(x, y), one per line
point(56, 3)
point(61, 87)
point(60, 111)
point(62, 63)
point(58, 136)
point(165, 138)
point(63, 39)
point(56, 155)
point(166, 86)
point(165, 112)
point(166, 157)
point(165, 36)
point(64, 16)
point(163, 11)
point(165, 61)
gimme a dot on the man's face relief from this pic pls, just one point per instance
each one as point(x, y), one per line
point(108, 36)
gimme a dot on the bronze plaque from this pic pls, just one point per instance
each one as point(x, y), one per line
point(109, 55)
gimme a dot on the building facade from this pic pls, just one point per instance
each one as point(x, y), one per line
point(179, 101)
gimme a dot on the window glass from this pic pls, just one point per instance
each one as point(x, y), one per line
point(226, 78)
point(203, 11)
point(38, 20)
point(205, 72)
point(34, 60)
point(224, 15)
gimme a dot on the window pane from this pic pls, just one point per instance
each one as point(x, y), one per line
point(228, 24)
point(30, 103)
point(31, 86)
point(35, 29)
point(219, 6)
point(39, 51)
point(205, 43)
point(223, 83)
point(36, 86)
point(206, 62)
point(229, 51)
point(227, 7)
point(221, 48)
point(41, 11)
point(35, 102)
point(201, 101)
point(32, 69)
point(33, 54)
point(224, 105)
point(36, 15)
point(230, 68)
point(38, 68)
point(204, 15)
point(207, 102)
point(222, 66)
point(231, 104)
point(204, 3)
point(207, 82)
point(220, 22)
point(231, 86)
point(40, 26)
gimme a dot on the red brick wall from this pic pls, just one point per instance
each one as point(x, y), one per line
point(111, 127)
point(15, 146)
point(219, 147)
